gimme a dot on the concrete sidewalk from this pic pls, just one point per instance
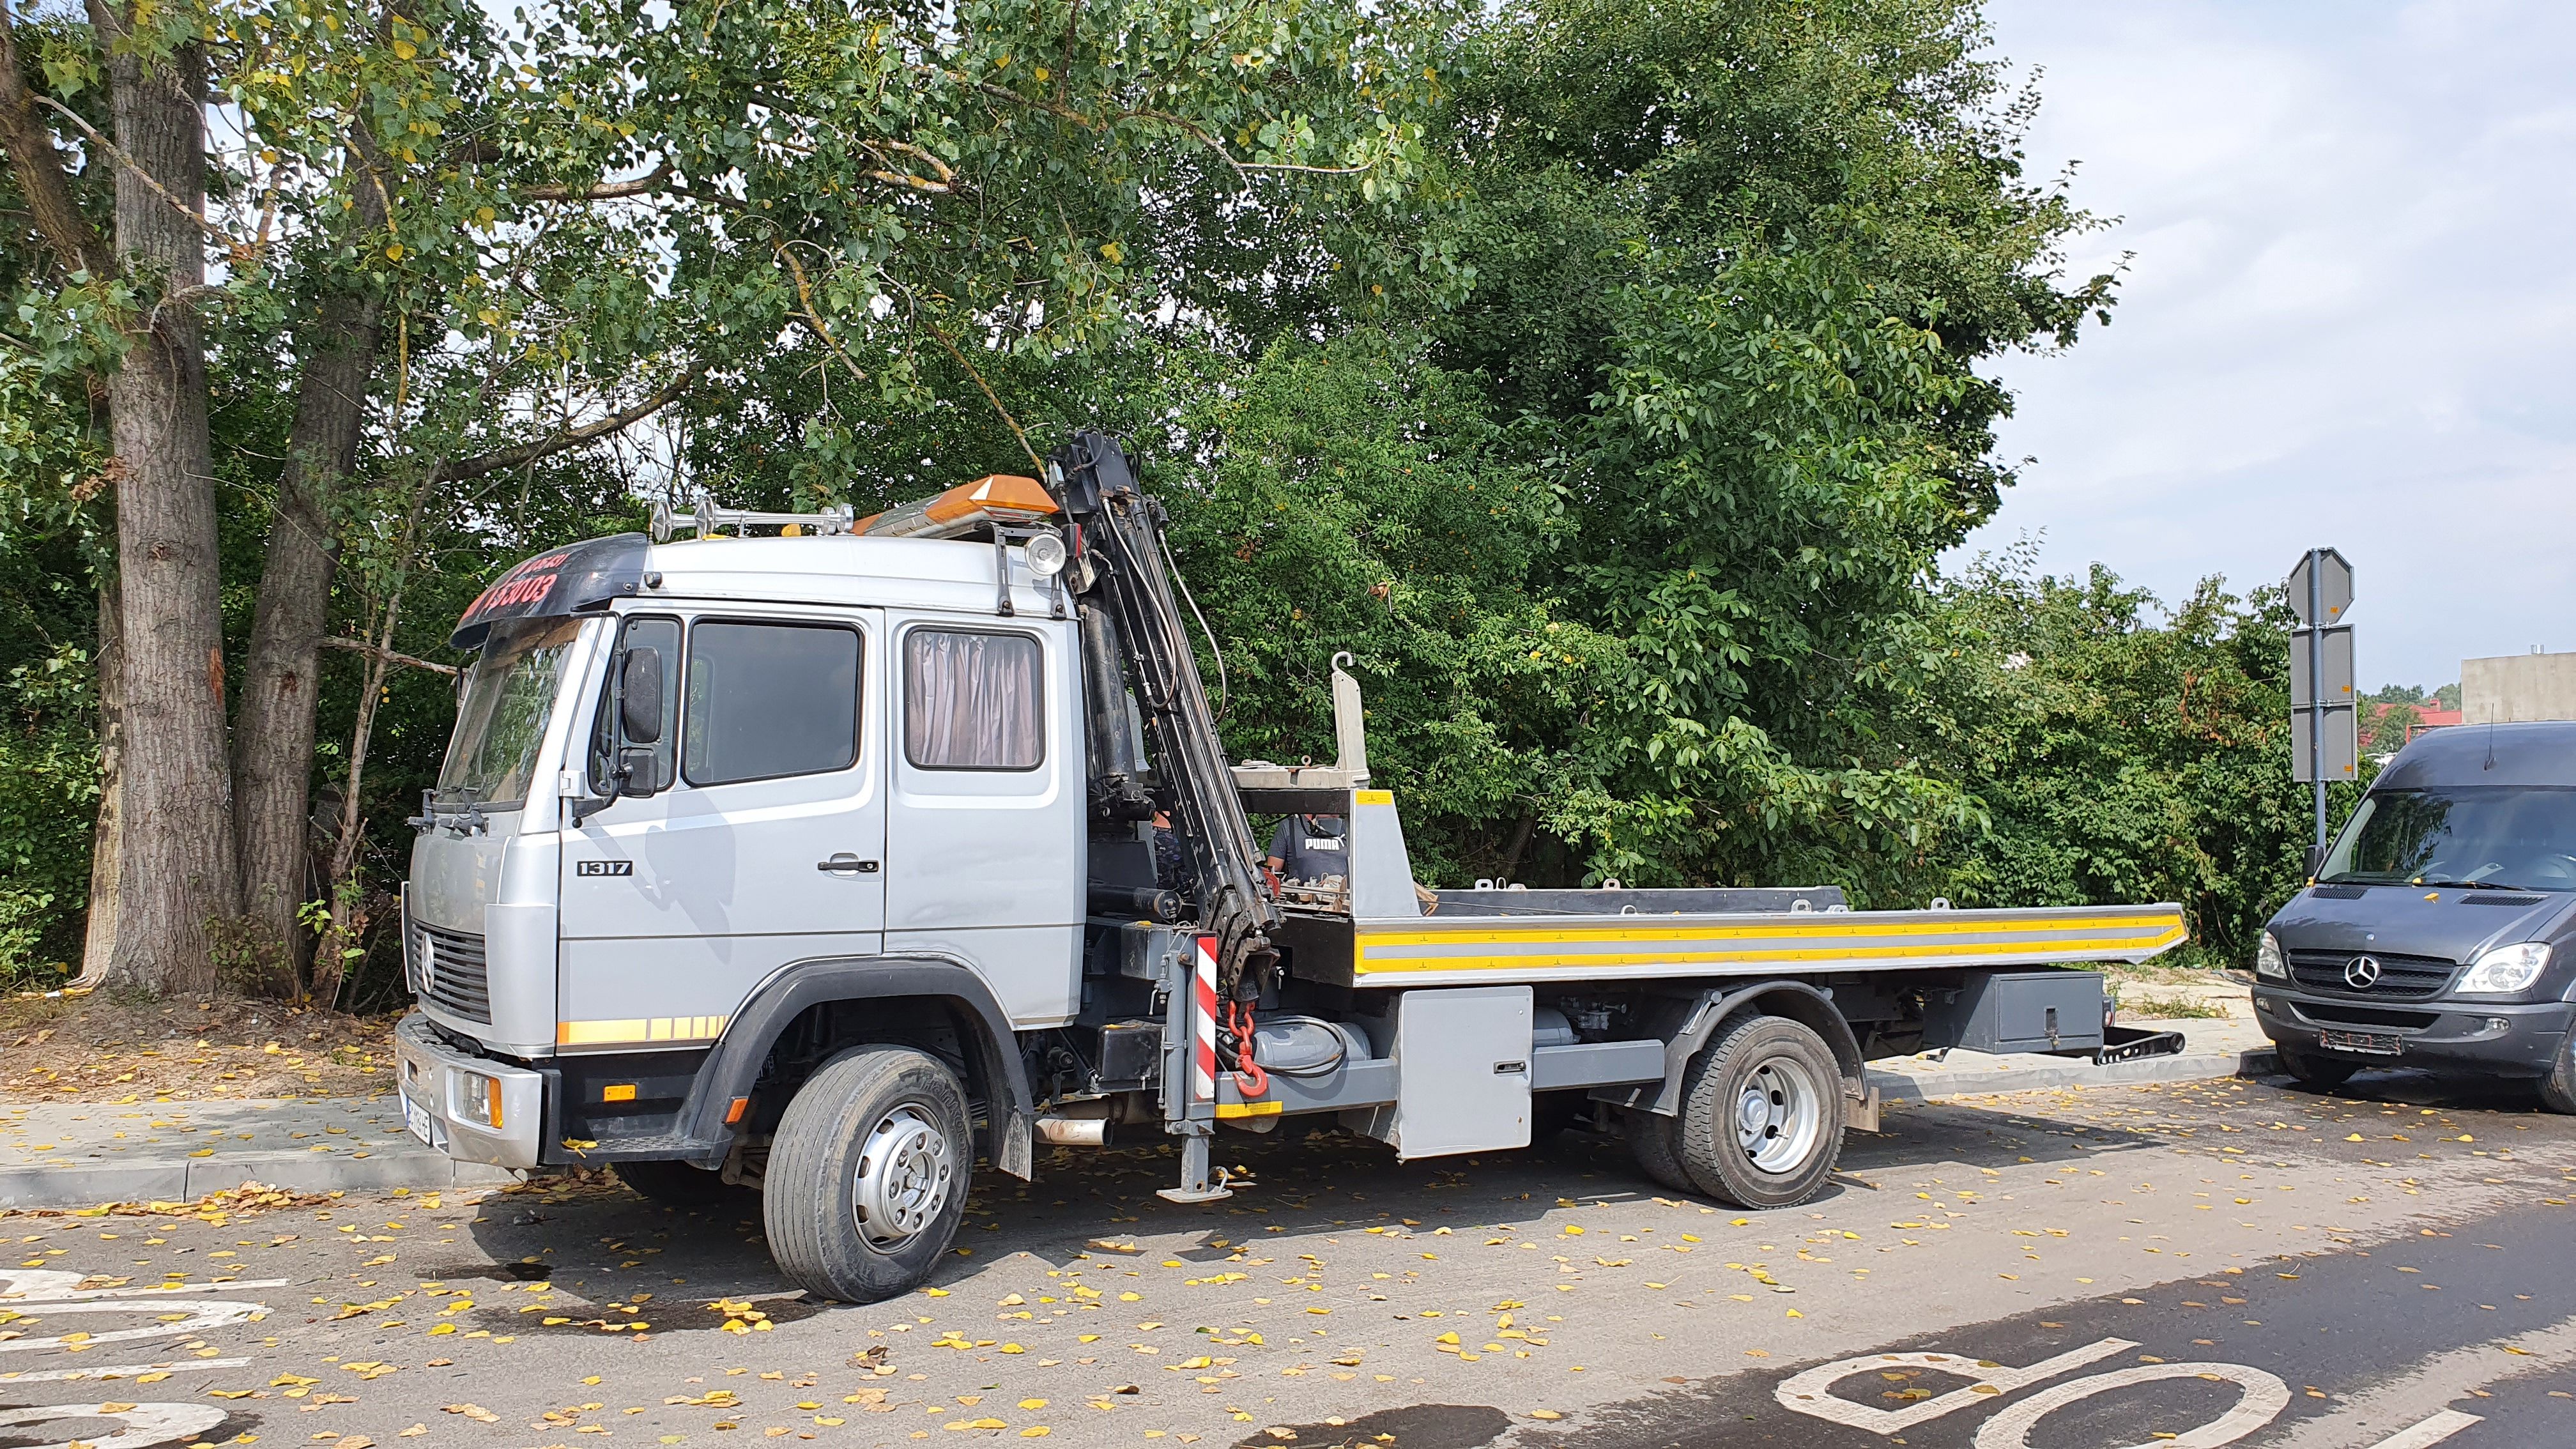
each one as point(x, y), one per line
point(2212, 1048)
point(78, 1154)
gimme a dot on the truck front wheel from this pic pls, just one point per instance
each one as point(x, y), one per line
point(1762, 1114)
point(867, 1175)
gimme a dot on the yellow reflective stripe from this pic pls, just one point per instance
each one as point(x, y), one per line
point(639, 1029)
point(1387, 965)
point(1372, 797)
point(1636, 928)
point(1269, 1108)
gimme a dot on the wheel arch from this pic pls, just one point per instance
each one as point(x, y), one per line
point(794, 992)
point(1714, 1007)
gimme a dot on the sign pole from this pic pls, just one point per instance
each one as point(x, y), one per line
point(2317, 683)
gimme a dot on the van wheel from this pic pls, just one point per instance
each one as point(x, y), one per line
point(867, 1175)
point(1651, 1138)
point(2323, 1074)
point(2558, 1089)
point(1762, 1113)
point(677, 1184)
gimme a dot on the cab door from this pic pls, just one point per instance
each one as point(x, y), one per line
point(766, 844)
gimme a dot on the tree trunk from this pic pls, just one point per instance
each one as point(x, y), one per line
point(107, 835)
point(181, 887)
point(273, 734)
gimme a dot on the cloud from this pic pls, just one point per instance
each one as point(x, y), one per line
point(2349, 317)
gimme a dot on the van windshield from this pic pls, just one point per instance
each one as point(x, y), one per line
point(2519, 837)
point(508, 692)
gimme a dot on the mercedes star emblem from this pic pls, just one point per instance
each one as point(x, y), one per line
point(2362, 973)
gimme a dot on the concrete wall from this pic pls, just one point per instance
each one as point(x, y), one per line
point(2518, 687)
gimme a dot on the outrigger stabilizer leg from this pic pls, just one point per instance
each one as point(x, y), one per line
point(1195, 1186)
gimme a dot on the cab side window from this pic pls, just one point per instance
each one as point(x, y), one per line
point(769, 699)
point(641, 632)
point(973, 700)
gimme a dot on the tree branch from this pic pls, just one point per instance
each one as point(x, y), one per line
point(655, 180)
point(543, 448)
point(238, 252)
point(39, 167)
point(375, 651)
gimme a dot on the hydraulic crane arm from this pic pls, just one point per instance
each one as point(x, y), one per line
point(1125, 594)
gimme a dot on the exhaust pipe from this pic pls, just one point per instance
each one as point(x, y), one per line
point(1074, 1131)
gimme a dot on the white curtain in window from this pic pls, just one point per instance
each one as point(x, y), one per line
point(971, 700)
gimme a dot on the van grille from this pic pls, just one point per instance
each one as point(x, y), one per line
point(2401, 978)
point(449, 965)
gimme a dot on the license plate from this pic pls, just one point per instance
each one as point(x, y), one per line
point(2369, 1044)
point(416, 1117)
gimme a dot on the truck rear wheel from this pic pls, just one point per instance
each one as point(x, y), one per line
point(867, 1175)
point(1653, 1139)
point(1762, 1114)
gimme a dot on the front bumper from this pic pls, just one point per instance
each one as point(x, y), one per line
point(430, 1074)
point(2500, 1039)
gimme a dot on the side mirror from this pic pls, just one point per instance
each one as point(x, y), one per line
point(639, 769)
point(2316, 861)
point(639, 697)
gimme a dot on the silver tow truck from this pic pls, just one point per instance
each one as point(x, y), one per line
point(825, 864)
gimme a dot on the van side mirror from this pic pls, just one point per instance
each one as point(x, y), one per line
point(639, 697)
point(2316, 860)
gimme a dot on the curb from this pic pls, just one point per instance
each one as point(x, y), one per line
point(183, 1180)
point(2187, 1067)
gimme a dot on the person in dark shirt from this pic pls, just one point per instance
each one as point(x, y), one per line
point(1169, 869)
point(1310, 847)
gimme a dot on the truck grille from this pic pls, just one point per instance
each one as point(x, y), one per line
point(450, 967)
point(2401, 978)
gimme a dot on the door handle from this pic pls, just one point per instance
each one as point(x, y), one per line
point(847, 864)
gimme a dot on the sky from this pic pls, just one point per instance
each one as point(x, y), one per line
point(2348, 317)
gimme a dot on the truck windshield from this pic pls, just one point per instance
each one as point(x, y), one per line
point(2520, 837)
point(508, 693)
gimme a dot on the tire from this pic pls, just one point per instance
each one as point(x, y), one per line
point(2558, 1089)
point(1652, 1139)
point(867, 1174)
point(677, 1184)
point(1762, 1114)
point(2322, 1074)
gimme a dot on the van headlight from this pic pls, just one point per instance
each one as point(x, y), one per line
point(2268, 960)
point(2507, 968)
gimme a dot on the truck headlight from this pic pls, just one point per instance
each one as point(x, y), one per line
point(2507, 968)
point(478, 1099)
point(2268, 960)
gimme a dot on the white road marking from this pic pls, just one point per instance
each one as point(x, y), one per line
point(2264, 1396)
point(2432, 1431)
point(140, 1426)
point(119, 1371)
point(2404, 1399)
point(1811, 1392)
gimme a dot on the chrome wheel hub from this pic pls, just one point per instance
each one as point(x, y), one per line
point(905, 1171)
point(1780, 1115)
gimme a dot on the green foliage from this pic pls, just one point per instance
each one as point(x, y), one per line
point(2130, 751)
point(49, 785)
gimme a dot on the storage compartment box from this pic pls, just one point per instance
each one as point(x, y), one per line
point(2017, 1011)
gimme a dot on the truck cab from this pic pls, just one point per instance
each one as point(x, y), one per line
point(2439, 930)
point(849, 754)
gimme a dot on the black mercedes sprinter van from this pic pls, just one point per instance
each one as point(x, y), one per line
point(2439, 930)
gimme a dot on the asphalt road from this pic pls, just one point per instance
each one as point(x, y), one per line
point(2193, 1265)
